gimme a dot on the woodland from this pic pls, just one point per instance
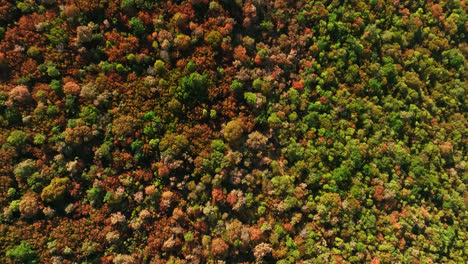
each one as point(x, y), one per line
point(233, 131)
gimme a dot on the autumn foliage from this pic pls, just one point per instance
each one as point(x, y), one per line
point(244, 131)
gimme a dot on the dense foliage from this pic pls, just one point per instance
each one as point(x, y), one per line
point(233, 131)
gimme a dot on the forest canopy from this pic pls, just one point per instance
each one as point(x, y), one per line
point(233, 131)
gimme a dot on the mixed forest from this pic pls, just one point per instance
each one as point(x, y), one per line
point(233, 131)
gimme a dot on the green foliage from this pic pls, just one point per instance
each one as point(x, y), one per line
point(39, 139)
point(93, 195)
point(89, 248)
point(213, 114)
point(251, 98)
point(25, 169)
point(218, 145)
point(214, 38)
point(257, 84)
point(56, 85)
point(389, 70)
point(12, 115)
point(27, 6)
point(119, 67)
point(188, 237)
point(237, 86)
point(274, 120)
point(266, 25)
point(453, 57)
point(14, 206)
point(159, 66)
point(104, 151)
point(193, 88)
point(12, 192)
point(140, 4)
point(137, 26)
point(53, 72)
point(34, 51)
point(18, 138)
point(24, 253)
point(341, 174)
point(131, 57)
point(89, 114)
point(56, 190)
point(107, 67)
point(191, 67)
point(235, 131)
point(57, 36)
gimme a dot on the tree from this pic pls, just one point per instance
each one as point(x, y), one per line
point(256, 140)
point(29, 206)
point(193, 88)
point(89, 114)
point(57, 36)
point(71, 88)
point(84, 34)
point(218, 247)
point(214, 38)
point(233, 131)
point(18, 138)
point(172, 144)
point(78, 134)
point(251, 98)
point(56, 190)
point(137, 26)
point(20, 94)
point(24, 252)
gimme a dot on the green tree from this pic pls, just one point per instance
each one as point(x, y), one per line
point(57, 36)
point(89, 114)
point(137, 26)
point(18, 138)
point(237, 87)
point(251, 98)
point(214, 38)
point(24, 253)
point(193, 88)
point(56, 190)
